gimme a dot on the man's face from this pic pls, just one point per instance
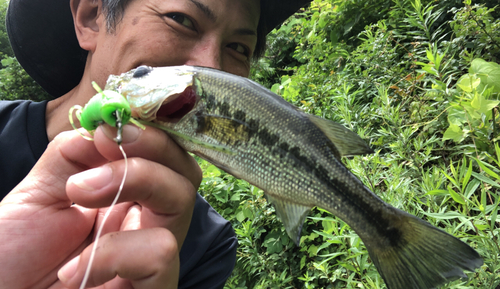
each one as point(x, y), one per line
point(221, 34)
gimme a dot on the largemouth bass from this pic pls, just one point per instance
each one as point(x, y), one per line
point(253, 134)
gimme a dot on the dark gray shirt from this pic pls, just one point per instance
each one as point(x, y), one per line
point(208, 254)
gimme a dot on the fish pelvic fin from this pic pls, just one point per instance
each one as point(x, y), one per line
point(347, 142)
point(292, 215)
point(422, 257)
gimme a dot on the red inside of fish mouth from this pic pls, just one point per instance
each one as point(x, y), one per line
point(177, 106)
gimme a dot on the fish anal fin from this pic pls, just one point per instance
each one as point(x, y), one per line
point(292, 215)
point(347, 142)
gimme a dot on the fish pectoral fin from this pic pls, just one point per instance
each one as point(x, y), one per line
point(226, 130)
point(292, 215)
point(216, 147)
point(347, 142)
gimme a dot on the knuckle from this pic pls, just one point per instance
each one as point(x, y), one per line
point(167, 247)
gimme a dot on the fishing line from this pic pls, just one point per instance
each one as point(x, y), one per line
point(108, 212)
point(105, 107)
point(118, 140)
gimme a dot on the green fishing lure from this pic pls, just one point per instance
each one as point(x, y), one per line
point(105, 107)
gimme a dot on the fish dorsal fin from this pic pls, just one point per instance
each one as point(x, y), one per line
point(292, 215)
point(347, 142)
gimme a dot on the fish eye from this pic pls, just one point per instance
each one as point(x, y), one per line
point(141, 71)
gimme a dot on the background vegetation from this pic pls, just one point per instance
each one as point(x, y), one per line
point(419, 81)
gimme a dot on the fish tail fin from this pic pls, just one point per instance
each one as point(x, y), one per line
point(422, 255)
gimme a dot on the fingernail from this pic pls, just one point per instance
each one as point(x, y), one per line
point(93, 179)
point(68, 271)
point(130, 133)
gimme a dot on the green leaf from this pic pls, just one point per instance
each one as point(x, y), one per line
point(456, 197)
point(494, 215)
point(456, 115)
point(235, 197)
point(240, 216)
point(328, 226)
point(483, 105)
point(312, 250)
point(487, 170)
point(444, 216)
point(437, 192)
point(7, 61)
point(276, 88)
point(302, 262)
point(211, 171)
point(482, 207)
point(485, 179)
point(489, 72)
point(273, 243)
point(481, 227)
point(467, 175)
point(348, 266)
point(473, 112)
point(454, 132)
point(468, 82)
point(471, 188)
point(248, 213)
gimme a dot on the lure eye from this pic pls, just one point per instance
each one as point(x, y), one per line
point(141, 71)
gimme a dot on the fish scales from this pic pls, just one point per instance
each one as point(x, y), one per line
point(250, 132)
point(291, 150)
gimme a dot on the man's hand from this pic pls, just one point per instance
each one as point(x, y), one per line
point(49, 220)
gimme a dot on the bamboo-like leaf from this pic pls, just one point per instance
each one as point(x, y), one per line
point(452, 180)
point(437, 192)
point(456, 197)
point(454, 172)
point(467, 175)
point(494, 215)
point(483, 201)
point(485, 179)
point(487, 170)
point(445, 216)
point(471, 188)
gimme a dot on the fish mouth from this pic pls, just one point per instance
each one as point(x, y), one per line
point(176, 106)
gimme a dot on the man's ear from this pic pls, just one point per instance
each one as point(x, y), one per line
point(86, 15)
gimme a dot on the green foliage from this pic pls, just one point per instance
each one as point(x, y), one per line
point(472, 111)
point(476, 29)
point(5, 48)
point(15, 83)
point(401, 80)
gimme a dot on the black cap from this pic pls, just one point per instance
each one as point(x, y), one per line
point(42, 36)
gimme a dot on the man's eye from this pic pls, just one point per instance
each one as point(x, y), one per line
point(181, 19)
point(240, 49)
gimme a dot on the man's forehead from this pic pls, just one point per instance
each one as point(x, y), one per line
point(252, 8)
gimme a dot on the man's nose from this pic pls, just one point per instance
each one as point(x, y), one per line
point(207, 55)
